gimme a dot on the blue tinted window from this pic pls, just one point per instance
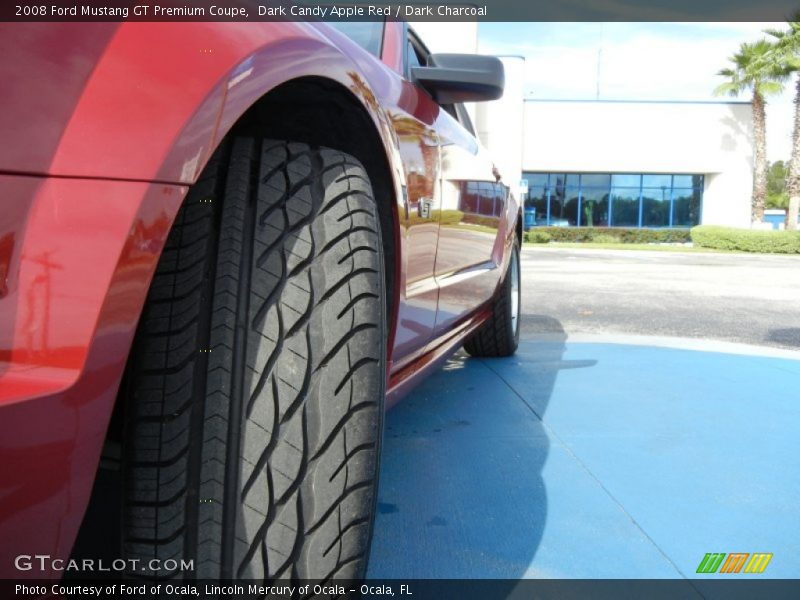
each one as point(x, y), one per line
point(656, 206)
point(687, 181)
point(686, 207)
point(470, 197)
point(595, 180)
point(624, 207)
point(367, 35)
point(500, 193)
point(657, 181)
point(570, 209)
point(625, 180)
point(616, 199)
point(537, 180)
point(487, 198)
point(538, 190)
point(571, 179)
point(594, 205)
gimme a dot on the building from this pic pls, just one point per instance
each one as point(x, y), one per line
point(638, 164)
point(613, 163)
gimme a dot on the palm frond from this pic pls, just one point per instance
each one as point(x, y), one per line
point(728, 88)
point(770, 88)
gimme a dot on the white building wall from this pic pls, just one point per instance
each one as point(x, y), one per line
point(499, 123)
point(710, 138)
point(457, 37)
point(448, 36)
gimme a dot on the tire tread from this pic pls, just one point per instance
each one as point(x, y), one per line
point(269, 296)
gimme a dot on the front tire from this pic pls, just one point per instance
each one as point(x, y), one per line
point(257, 381)
point(499, 335)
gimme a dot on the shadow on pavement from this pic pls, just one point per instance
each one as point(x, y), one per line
point(443, 446)
point(462, 493)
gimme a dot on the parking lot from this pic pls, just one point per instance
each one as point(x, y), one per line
point(650, 416)
point(744, 298)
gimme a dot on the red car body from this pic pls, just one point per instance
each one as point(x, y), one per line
point(105, 126)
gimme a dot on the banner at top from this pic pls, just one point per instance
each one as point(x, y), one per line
point(330, 10)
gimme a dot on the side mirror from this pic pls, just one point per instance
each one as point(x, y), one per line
point(452, 78)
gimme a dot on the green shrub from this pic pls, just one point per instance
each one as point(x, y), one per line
point(451, 217)
point(568, 234)
point(537, 236)
point(479, 220)
point(606, 238)
point(655, 236)
point(746, 240)
point(446, 217)
point(607, 235)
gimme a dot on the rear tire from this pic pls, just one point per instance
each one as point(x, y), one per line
point(499, 335)
point(257, 381)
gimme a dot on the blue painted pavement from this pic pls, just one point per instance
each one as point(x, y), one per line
point(592, 460)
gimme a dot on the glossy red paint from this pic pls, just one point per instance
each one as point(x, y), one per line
point(86, 249)
point(44, 69)
point(110, 123)
point(407, 378)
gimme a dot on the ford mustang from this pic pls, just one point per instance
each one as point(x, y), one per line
point(225, 250)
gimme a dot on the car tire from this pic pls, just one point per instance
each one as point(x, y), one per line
point(256, 384)
point(499, 335)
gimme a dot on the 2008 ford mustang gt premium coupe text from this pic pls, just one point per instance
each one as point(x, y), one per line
point(225, 250)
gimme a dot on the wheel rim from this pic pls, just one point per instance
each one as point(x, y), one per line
point(515, 291)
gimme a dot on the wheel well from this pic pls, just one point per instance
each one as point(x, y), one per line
point(314, 111)
point(519, 229)
point(322, 112)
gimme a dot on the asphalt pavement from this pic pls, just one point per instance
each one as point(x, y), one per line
point(747, 298)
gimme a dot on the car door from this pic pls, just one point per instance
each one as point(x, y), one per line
point(473, 206)
point(413, 121)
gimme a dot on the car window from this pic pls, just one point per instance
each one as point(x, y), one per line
point(463, 118)
point(413, 59)
point(416, 54)
point(367, 35)
point(460, 114)
point(451, 110)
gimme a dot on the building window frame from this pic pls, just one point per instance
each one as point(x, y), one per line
point(549, 181)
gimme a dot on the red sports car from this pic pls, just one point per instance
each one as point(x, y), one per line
point(225, 249)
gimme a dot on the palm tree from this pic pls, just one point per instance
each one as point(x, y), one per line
point(755, 68)
point(787, 49)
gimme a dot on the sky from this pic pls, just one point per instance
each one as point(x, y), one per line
point(637, 61)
